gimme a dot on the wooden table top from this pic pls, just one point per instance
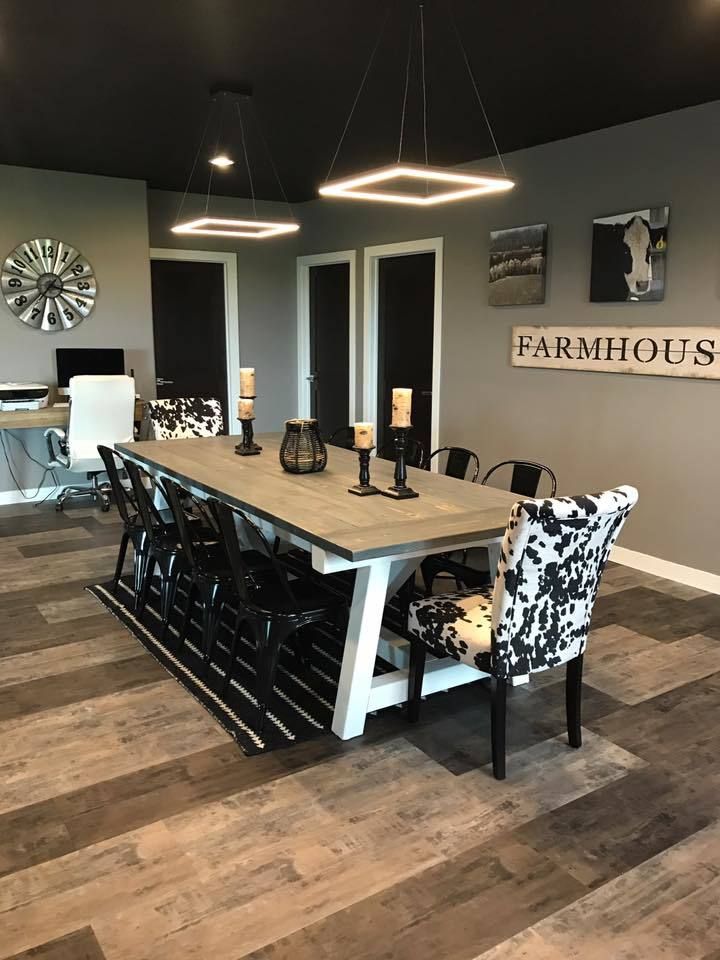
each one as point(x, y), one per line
point(318, 508)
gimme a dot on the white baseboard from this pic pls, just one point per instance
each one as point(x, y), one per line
point(690, 576)
point(14, 496)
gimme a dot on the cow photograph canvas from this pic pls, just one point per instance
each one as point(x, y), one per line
point(628, 256)
point(518, 258)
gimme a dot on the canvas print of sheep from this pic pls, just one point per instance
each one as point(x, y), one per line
point(518, 259)
point(628, 256)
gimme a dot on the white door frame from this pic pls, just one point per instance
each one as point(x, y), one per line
point(303, 318)
point(232, 321)
point(370, 338)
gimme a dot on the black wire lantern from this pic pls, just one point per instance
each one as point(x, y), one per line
point(302, 449)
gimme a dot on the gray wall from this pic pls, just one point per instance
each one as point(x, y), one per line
point(595, 430)
point(106, 219)
point(266, 295)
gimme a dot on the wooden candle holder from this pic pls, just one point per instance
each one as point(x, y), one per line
point(400, 490)
point(363, 488)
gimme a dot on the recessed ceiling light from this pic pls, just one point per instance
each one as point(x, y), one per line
point(222, 161)
point(459, 186)
point(251, 229)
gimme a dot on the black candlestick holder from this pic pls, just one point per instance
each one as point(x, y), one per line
point(400, 490)
point(247, 446)
point(363, 488)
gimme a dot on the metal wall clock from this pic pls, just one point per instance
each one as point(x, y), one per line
point(48, 285)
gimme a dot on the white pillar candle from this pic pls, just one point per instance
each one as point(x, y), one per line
point(247, 381)
point(364, 436)
point(246, 408)
point(401, 407)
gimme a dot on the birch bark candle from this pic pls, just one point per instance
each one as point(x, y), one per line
point(246, 408)
point(364, 436)
point(247, 381)
point(401, 407)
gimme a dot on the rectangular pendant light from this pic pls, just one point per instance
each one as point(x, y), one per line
point(250, 229)
point(459, 186)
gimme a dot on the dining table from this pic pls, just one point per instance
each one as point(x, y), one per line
point(382, 538)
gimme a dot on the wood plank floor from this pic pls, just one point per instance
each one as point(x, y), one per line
point(131, 827)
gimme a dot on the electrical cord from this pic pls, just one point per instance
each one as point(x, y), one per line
point(12, 469)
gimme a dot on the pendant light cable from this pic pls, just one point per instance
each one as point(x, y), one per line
point(424, 85)
point(475, 88)
point(405, 94)
point(359, 91)
point(264, 142)
point(217, 147)
point(247, 161)
point(194, 165)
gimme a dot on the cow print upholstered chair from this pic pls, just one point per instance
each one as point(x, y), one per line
point(537, 614)
point(184, 417)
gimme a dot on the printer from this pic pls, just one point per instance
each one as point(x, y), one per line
point(23, 396)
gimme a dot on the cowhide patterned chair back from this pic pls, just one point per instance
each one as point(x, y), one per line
point(537, 614)
point(185, 417)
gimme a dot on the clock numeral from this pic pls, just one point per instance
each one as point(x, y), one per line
point(48, 251)
point(51, 319)
point(63, 258)
point(83, 285)
point(80, 302)
point(30, 255)
point(77, 269)
point(19, 266)
point(69, 315)
point(35, 313)
point(14, 282)
point(20, 301)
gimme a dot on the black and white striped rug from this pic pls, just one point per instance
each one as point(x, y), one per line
point(304, 695)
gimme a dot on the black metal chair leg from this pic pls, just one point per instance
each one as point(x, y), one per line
point(497, 727)
point(120, 561)
point(233, 650)
point(416, 673)
point(168, 592)
point(141, 564)
point(146, 584)
point(187, 616)
point(427, 575)
point(573, 700)
point(268, 651)
point(212, 614)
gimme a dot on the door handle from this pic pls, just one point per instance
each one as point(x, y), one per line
point(426, 393)
point(313, 378)
point(162, 382)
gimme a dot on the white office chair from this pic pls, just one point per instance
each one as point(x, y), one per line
point(101, 411)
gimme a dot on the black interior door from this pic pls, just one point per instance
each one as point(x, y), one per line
point(406, 298)
point(329, 292)
point(188, 301)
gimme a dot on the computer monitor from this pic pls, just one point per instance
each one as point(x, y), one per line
point(74, 362)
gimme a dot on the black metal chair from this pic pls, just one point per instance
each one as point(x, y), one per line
point(526, 477)
point(210, 576)
point(458, 461)
point(133, 529)
point(274, 608)
point(163, 545)
point(414, 452)
point(525, 481)
point(343, 437)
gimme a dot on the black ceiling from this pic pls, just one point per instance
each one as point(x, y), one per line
point(122, 88)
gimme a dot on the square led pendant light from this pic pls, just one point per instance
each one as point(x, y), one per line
point(415, 184)
point(251, 229)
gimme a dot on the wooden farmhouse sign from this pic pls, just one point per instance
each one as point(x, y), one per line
point(662, 351)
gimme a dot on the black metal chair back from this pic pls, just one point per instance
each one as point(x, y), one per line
point(343, 437)
point(149, 514)
point(414, 452)
point(124, 499)
point(458, 461)
point(526, 476)
point(177, 498)
point(279, 599)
